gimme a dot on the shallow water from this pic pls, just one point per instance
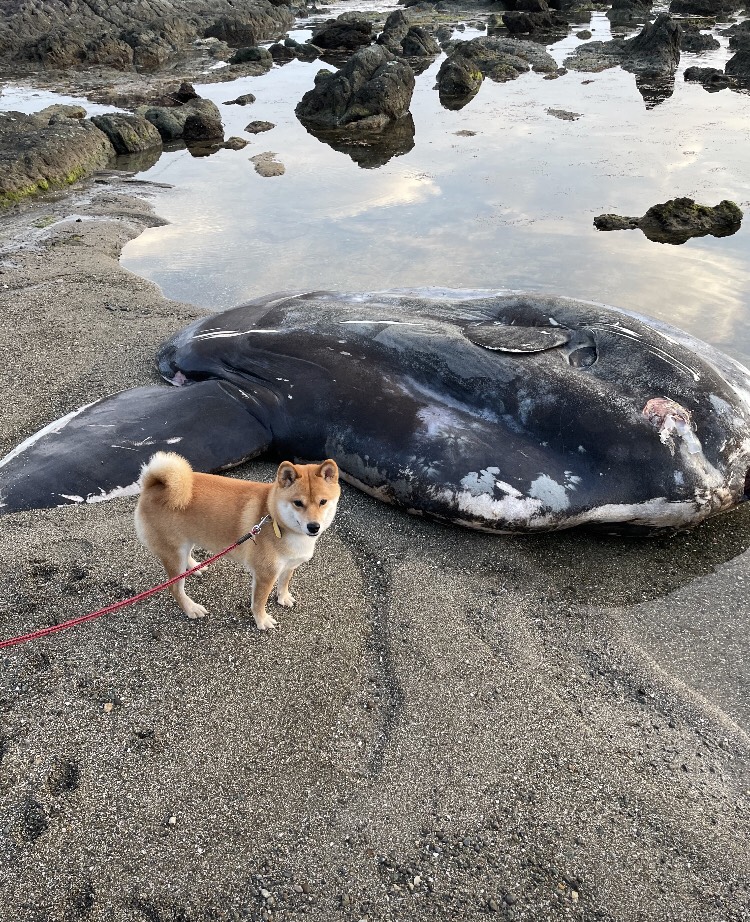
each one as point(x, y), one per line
point(509, 206)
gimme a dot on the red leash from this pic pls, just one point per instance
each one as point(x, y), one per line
point(42, 632)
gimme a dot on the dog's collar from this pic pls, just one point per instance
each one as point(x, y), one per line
point(255, 530)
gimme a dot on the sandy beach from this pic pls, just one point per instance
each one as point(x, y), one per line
point(449, 725)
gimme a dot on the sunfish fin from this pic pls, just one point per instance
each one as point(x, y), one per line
point(96, 453)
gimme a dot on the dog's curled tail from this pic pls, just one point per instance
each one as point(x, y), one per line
point(173, 474)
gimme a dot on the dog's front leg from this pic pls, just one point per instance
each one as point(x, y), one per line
point(283, 594)
point(262, 586)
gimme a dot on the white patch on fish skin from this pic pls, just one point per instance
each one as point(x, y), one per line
point(132, 489)
point(228, 334)
point(550, 492)
point(101, 497)
point(679, 478)
point(175, 440)
point(581, 450)
point(478, 483)
point(57, 426)
point(438, 421)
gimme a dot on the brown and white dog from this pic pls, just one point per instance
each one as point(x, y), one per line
point(179, 509)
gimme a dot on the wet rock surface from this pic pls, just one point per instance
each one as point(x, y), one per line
point(372, 89)
point(677, 220)
point(126, 35)
point(654, 51)
point(38, 153)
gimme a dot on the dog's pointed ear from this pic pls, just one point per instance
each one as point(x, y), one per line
point(286, 474)
point(329, 471)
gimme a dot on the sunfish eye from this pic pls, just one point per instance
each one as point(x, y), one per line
point(298, 502)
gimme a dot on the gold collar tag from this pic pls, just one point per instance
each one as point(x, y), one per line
point(276, 529)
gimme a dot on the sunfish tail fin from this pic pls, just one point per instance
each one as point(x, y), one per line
point(96, 453)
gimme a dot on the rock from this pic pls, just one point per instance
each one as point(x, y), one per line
point(170, 120)
point(403, 39)
point(349, 31)
point(129, 134)
point(259, 126)
point(245, 100)
point(372, 89)
point(260, 21)
point(711, 8)
point(281, 54)
point(627, 12)
point(266, 164)
point(678, 220)
point(126, 35)
point(37, 154)
point(695, 41)
point(252, 54)
point(654, 51)
point(202, 127)
point(738, 66)
point(235, 143)
point(521, 23)
point(711, 78)
point(739, 35)
point(496, 57)
point(60, 110)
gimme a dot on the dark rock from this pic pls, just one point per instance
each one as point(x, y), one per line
point(34, 820)
point(705, 7)
point(655, 51)
point(739, 35)
point(258, 127)
point(281, 54)
point(695, 41)
point(129, 134)
point(235, 143)
point(37, 154)
point(628, 12)
point(169, 121)
point(738, 66)
point(458, 81)
point(261, 21)
point(496, 57)
point(126, 35)
point(523, 23)
point(244, 100)
point(201, 127)
point(253, 54)
point(678, 220)
point(711, 78)
point(405, 40)
point(372, 89)
point(349, 31)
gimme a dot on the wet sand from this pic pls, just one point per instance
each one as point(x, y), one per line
point(448, 725)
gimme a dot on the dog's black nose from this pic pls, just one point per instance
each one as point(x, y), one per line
point(313, 528)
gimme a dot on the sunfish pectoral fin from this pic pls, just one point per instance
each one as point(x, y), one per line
point(96, 453)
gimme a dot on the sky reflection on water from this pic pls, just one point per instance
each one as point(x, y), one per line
point(511, 206)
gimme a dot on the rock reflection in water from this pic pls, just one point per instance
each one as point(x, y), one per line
point(369, 149)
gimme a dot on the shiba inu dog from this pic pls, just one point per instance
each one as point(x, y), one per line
point(179, 508)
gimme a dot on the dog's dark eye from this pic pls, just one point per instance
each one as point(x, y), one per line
point(298, 502)
point(323, 502)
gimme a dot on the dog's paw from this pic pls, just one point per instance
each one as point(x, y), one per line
point(194, 610)
point(287, 600)
point(194, 563)
point(266, 623)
